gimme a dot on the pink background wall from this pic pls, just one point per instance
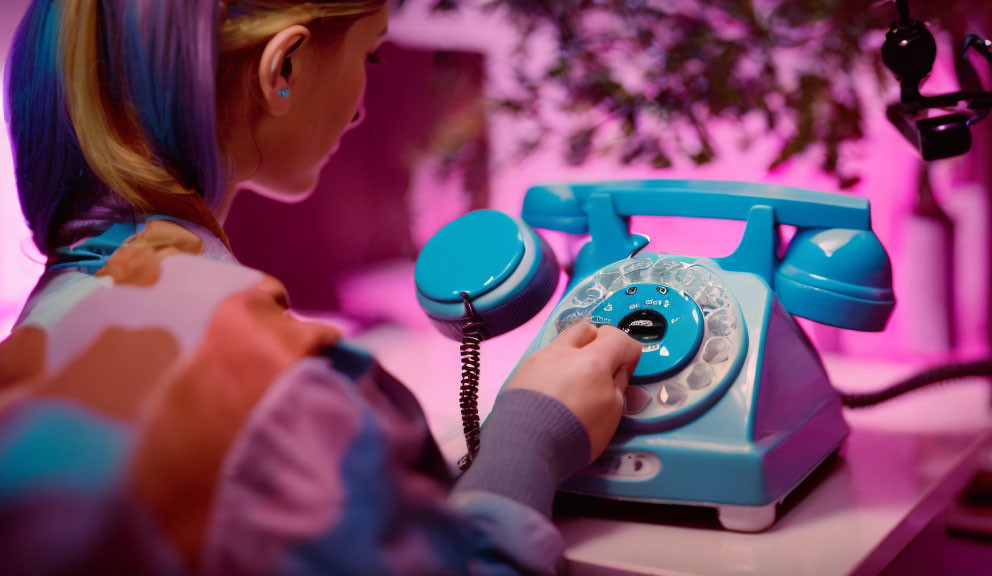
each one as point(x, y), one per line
point(362, 212)
point(19, 262)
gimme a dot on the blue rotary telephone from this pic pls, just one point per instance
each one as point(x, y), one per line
point(730, 406)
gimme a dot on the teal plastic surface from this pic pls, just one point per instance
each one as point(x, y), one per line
point(758, 248)
point(684, 325)
point(602, 209)
point(779, 419)
point(750, 431)
point(850, 289)
point(754, 443)
point(565, 206)
point(493, 257)
point(837, 276)
point(474, 254)
point(684, 372)
point(611, 237)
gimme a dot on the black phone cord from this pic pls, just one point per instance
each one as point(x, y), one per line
point(473, 332)
point(935, 375)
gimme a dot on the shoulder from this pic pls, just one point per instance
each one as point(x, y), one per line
point(166, 350)
point(159, 309)
point(165, 280)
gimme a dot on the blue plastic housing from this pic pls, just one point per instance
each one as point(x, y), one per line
point(837, 276)
point(507, 271)
point(565, 206)
point(746, 438)
point(836, 271)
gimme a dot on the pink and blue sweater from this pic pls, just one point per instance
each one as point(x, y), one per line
point(162, 413)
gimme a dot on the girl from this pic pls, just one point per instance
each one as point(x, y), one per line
point(160, 412)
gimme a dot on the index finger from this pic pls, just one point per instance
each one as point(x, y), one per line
point(618, 348)
point(577, 335)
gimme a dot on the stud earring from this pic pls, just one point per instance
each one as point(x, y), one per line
point(284, 93)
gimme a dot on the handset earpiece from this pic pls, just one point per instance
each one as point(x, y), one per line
point(498, 262)
point(480, 276)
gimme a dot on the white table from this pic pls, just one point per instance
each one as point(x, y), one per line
point(903, 463)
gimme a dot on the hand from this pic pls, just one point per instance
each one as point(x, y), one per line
point(586, 368)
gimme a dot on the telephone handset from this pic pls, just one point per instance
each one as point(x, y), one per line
point(729, 405)
point(836, 271)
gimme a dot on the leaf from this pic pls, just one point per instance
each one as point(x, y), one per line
point(579, 146)
point(661, 161)
point(702, 157)
point(630, 123)
point(445, 6)
point(560, 68)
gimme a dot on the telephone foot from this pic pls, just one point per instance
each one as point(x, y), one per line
point(747, 518)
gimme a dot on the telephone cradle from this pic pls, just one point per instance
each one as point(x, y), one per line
point(730, 406)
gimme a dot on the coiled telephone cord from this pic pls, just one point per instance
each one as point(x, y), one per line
point(473, 332)
point(935, 375)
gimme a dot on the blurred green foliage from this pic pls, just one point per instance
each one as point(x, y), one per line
point(644, 80)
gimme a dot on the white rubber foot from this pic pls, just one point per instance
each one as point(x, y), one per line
point(747, 518)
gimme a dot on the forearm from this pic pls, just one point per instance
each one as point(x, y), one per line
point(530, 444)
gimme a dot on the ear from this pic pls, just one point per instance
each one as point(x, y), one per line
point(275, 69)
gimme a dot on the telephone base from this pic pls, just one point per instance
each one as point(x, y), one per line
point(731, 517)
point(741, 443)
point(746, 519)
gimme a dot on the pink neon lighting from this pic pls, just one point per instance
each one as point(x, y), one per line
point(20, 264)
point(886, 162)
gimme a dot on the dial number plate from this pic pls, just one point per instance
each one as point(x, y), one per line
point(708, 348)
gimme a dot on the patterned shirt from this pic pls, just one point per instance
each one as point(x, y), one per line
point(162, 413)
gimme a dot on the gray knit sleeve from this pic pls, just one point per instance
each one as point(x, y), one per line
point(530, 444)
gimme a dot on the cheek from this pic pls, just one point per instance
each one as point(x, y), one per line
point(344, 104)
point(298, 153)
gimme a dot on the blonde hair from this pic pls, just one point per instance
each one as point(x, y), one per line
point(261, 19)
point(111, 140)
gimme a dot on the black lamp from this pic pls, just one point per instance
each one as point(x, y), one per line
point(939, 126)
